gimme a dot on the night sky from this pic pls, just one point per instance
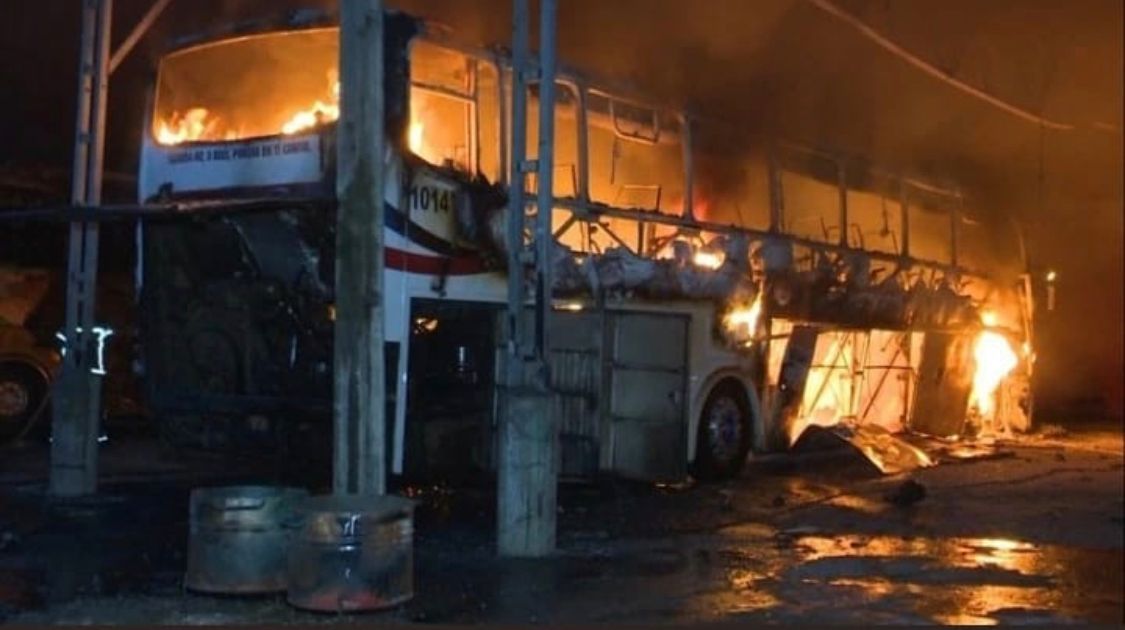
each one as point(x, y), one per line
point(774, 66)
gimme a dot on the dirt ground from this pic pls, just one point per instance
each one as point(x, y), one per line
point(1014, 532)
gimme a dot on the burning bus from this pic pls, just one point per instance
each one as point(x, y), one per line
point(710, 301)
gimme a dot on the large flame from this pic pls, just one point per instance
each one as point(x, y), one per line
point(199, 124)
point(319, 114)
point(742, 321)
point(195, 124)
point(315, 116)
point(994, 360)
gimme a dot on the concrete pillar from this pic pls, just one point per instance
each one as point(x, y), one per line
point(359, 462)
point(527, 470)
point(528, 480)
point(77, 393)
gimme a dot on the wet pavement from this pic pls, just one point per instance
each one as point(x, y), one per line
point(1027, 532)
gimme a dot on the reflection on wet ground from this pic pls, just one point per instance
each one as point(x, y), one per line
point(756, 574)
point(778, 546)
point(977, 580)
point(840, 578)
point(749, 571)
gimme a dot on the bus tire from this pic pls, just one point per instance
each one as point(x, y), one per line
point(23, 393)
point(724, 433)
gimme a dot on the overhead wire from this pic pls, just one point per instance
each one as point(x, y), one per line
point(882, 41)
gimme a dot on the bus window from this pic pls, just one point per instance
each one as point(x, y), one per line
point(566, 139)
point(874, 222)
point(930, 232)
point(248, 87)
point(811, 208)
point(731, 185)
point(635, 155)
point(488, 121)
point(442, 108)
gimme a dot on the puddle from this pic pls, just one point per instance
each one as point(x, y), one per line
point(963, 580)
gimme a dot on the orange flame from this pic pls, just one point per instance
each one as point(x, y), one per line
point(743, 321)
point(319, 114)
point(995, 359)
point(707, 259)
point(196, 124)
point(199, 124)
point(416, 139)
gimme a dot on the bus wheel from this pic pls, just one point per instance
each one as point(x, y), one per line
point(23, 390)
point(723, 440)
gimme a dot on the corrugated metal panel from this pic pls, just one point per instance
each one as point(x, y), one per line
point(575, 378)
point(648, 392)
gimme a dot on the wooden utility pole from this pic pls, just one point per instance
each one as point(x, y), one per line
point(77, 394)
point(527, 467)
point(358, 404)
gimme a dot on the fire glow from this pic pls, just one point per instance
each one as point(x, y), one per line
point(319, 114)
point(200, 124)
point(995, 359)
point(743, 321)
point(707, 259)
point(196, 124)
point(416, 138)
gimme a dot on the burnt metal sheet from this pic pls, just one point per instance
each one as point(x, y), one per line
point(890, 454)
point(648, 393)
point(575, 382)
point(650, 340)
point(619, 384)
point(574, 403)
point(786, 404)
point(945, 376)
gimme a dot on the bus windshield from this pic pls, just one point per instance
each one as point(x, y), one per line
point(263, 85)
point(288, 83)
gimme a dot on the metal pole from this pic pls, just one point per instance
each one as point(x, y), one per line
point(842, 184)
point(544, 236)
point(954, 232)
point(74, 448)
point(137, 33)
point(517, 208)
point(688, 150)
point(359, 463)
point(904, 207)
point(776, 201)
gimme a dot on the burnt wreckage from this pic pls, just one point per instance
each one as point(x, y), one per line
point(801, 294)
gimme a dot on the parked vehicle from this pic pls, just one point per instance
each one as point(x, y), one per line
point(27, 367)
point(709, 299)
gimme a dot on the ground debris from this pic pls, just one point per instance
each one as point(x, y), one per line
point(1051, 431)
point(906, 494)
point(798, 531)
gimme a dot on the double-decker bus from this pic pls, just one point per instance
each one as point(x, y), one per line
point(712, 297)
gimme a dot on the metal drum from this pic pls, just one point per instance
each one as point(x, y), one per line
point(239, 537)
point(354, 553)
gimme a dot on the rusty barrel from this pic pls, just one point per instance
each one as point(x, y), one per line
point(353, 553)
point(239, 537)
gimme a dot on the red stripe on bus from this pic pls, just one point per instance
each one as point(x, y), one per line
point(433, 265)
